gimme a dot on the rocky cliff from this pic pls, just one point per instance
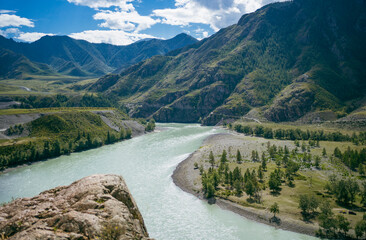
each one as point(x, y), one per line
point(95, 207)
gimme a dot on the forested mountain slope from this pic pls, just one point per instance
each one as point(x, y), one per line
point(73, 57)
point(284, 60)
point(14, 65)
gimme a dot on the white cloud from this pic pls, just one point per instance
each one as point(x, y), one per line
point(126, 23)
point(116, 37)
point(9, 31)
point(8, 20)
point(123, 17)
point(201, 33)
point(12, 30)
point(6, 11)
point(199, 30)
point(32, 36)
point(124, 20)
point(215, 13)
point(96, 4)
point(11, 23)
point(186, 12)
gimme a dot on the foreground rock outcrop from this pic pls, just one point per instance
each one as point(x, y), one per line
point(98, 206)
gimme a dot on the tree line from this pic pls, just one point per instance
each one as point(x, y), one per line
point(41, 149)
point(352, 158)
point(298, 134)
point(60, 100)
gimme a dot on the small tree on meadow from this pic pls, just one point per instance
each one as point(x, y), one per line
point(253, 156)
point(212, 159)
point(324, 152)
point(224, 156)
point(308, 205)
point(274, 182)
point(238, 157)
point(343, 224)
point(361, 169)
point(238, 187)
point(260, 173)
point(360, 228)
point(327, 222)
point(275, 209)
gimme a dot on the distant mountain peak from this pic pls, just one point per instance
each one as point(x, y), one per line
point(55, 38)
point(183, 36)
point(74, 57)
point(145, 40)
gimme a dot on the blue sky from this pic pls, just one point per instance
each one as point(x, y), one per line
point(119, 22)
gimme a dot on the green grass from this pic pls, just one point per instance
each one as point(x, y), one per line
point(8, 88)
point(51, 110)
point(67, 123)
point(43, 85)
point(307, 181)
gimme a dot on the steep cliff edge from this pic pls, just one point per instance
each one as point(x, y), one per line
point(89, 208)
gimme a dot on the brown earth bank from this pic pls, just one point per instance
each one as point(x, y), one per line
point(94, 207)
point(187, 178)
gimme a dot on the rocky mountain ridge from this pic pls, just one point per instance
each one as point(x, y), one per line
point(68, 56)
point(284, 61)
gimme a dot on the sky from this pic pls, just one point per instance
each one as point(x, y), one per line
point(120, 22)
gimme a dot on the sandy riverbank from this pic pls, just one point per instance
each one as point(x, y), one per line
point(188, 179)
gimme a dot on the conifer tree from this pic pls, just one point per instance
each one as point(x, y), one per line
point(238, 157)
point(224, 156)
point(212, 159)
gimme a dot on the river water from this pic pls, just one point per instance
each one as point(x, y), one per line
point(147, 163)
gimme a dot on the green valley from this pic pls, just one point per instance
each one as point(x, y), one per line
point(280, 96)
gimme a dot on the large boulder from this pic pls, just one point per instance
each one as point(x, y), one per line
point(94, 207)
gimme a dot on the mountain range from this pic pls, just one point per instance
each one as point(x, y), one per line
point(68, 56)
point(13, 65)
point(282, 62)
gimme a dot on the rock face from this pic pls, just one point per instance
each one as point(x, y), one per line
point(294, 102)
point(90, 208)
point(192, 107)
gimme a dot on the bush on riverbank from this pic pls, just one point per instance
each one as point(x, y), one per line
point(150, 127)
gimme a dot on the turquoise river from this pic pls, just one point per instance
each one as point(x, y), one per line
point(147, 163)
